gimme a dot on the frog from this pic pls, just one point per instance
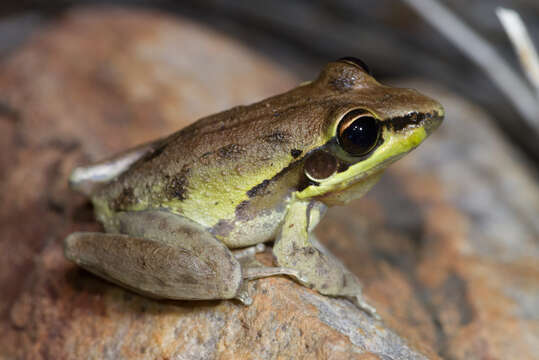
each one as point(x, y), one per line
point(185, 215)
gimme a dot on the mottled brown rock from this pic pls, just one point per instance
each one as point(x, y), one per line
point(446, 245)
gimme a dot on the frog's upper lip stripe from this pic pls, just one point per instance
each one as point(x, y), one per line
point(429, 120)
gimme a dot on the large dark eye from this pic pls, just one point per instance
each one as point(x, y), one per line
point(357, 62)
point(358, 132)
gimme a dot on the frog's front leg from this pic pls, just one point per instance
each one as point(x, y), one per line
point(296, 248)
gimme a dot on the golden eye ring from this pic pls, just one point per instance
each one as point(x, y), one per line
point(358, 132)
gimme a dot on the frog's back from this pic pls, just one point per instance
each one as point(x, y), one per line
point(210, 170)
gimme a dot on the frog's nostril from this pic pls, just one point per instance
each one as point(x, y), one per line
point(432, 123)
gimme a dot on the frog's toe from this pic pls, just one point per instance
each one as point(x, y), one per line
point(303, 280)
point(363, 305)
point(244, 297)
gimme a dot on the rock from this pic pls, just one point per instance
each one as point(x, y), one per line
point(446, 245)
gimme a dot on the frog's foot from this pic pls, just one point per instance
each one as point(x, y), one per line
point(351, 288)
point(243, 295)
point(359, 301)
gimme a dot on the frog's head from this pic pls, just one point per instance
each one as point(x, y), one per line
point(369, 127)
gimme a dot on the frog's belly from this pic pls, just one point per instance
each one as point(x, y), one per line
point(245, 232)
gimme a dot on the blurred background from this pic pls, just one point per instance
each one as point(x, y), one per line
point(302, 35)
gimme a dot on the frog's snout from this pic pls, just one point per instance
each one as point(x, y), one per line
point(429, 119)
point(433, 120)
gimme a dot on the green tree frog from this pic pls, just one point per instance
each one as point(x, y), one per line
point(184, 214)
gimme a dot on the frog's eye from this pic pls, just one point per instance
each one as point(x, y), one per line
point(358, 132)
point(356, 62)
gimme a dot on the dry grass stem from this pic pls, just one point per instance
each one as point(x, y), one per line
point(510, 83)
point(522, 43)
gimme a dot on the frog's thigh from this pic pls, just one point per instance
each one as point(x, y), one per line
point(161, 255)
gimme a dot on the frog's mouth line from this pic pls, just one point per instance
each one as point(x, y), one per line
point(430, 121)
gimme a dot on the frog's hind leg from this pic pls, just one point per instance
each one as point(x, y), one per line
point(161, 255)
point(252, 269)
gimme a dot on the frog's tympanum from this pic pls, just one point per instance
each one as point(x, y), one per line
point(185, 214)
